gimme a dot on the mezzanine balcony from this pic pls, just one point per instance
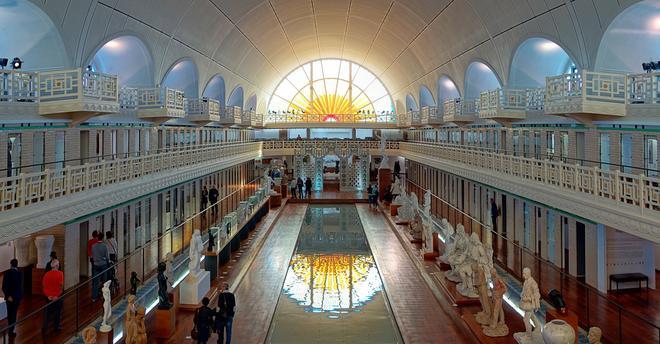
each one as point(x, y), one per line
point(431, 115)
point(503, 105)
point(643, 94)
point(586, 96)
point(362, 119)
point(404, 120)
point(415, 118)
point(73, 94)
point(202, 110)
point(460, 111)
point(231, 115)
point(156, 104)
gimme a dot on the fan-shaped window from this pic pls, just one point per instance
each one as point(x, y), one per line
point(478, 78)
point(215, 89)
point(331, 88)
point(411, 104)
point(425, 97)
point(183, 76)
point(236, 97)
point(535, 59)
point(128, 58)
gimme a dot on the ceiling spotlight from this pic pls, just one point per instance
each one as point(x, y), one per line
point(3, 62)
point(16, 63)
point(651, 66)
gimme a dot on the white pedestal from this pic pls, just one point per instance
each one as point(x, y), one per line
point(192, 290)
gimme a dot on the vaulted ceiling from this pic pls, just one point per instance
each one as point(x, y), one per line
point(406, 43)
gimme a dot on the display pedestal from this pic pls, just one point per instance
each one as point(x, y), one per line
point(211, 263)
point(570, 318)
point(165, 323)
point(275, 201)
point(384, 181)
point(192, 290)
point(394, 210)
point(526, 338)
point(37, 278)
point(454, 296)
point(173, 297)
point(104, 337)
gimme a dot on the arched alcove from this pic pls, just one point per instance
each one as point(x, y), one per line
point(183, 76)
point(446, 89)
point(215, 89)
point(128, 58)
point(535, 59)
point(251, 103)
point(425, 97)
point(29, 34)
point(479, 77)
point(411, 104)
point(631, 39)
point(236, 97)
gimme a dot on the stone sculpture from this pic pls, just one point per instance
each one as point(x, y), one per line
point(134, 283)
point(89, 335)
point(458, 254)
point(464, 263)
point(195, 253)
point(595, 334)
point(497, 326)
point(44, 244)
point(396, 187)
point(427, 203)
point(530, 302)
point(558, 331)
point(107, 307)
point(416, 227)
point(136, 332)
point(384, 162)
point(427, 227)
point(163, 299)
point(169, 271)
point(130, 312)
point(449, 234)
point(481, 283)
point(268, 184)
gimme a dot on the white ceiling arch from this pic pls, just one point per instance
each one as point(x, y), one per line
point(405, 42)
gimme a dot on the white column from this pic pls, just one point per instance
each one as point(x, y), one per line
point(72, 254)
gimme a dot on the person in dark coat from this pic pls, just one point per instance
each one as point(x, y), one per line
point(213, 198)
point(299, 184)
point(205, 199)
point(308, 187)
point(224, 317)
point(494, 213)
point(204, 321)
point(12, 287)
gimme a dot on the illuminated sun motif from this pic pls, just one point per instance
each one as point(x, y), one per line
point(330, 87)
point(332, 282)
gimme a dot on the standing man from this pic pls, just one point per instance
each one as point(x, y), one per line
point(91, 243)
point(12, 287)
point(53, 284)
point(205, 198)
point(100, 262)
point(308, 187)
point(494, 213)
point(225, 313)
point(299, 184)
point(213, 198)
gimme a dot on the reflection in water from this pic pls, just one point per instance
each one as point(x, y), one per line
point(332, 270)
point(332, 282)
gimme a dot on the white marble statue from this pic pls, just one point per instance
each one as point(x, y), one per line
point(401, 199)
point(427, 203)
point(428, 229)
point(448, 231)
point(530, 302)
point(107, 307)
point(472, 255)
point(408, 209)
point(268, 184)
point(458, 254)
point(195, 253)
point(169, 271)
point(384, 162)
point(44, 244)
point(396, 187)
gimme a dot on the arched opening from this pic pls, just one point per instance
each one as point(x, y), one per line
point(128, 58)
point(29, 34)
point(251, 103)
point(183, 76)
point(535, 59)
point(631, 39)
point(236, 97)
point(479, 77)
point(447, 89)
point(215, 89)
point(411, 103)
point(425, 97)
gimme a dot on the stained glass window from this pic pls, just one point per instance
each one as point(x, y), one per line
point(330, 90)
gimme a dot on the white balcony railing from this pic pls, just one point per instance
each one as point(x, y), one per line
point(275, 147)
point(202, 110)
point(231, 115)
point(431, 115)
point(415, 117)
point(157, 104)
point(586, 92)
point(362, 118)
point(404, 120)
point(460, 110)
point(246, 117)
point(32, 188)
point(643, 88)
point(503, 104)
point(626, 188)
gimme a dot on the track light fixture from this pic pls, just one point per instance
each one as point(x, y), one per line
point(3, 62)
point(16, 63)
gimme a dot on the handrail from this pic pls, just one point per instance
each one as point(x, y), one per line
point(626, 188)
point(30, 188)
point(540, 260)
point(253, 183)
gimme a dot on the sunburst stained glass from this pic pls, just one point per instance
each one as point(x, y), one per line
point(330, 90)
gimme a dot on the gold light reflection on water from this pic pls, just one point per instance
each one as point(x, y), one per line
point(332, 282)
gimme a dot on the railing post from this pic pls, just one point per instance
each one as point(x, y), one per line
point(23, 190)
point(46, 190)
point(642, 193)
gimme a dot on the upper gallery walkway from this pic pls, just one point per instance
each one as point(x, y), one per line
point(630, 202)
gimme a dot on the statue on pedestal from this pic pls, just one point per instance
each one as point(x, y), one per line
point(169, 271)
point(481, 283)
point(458, 254)
point(427, 203)
point(384, 162)
point(195, 253)
point(530, 302)
point(396, 187)
point(107, 307)
point(130, 312)
point(89, 335)
point(497, 327)
point(449, 234)
point(464, 263)
point(137, 332)
point(427, 226)
point(163, 299)
point(416, 227)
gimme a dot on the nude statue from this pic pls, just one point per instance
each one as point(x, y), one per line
point(107, 307)
point(195, 253)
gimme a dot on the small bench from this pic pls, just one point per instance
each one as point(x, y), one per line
point(630, 277)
